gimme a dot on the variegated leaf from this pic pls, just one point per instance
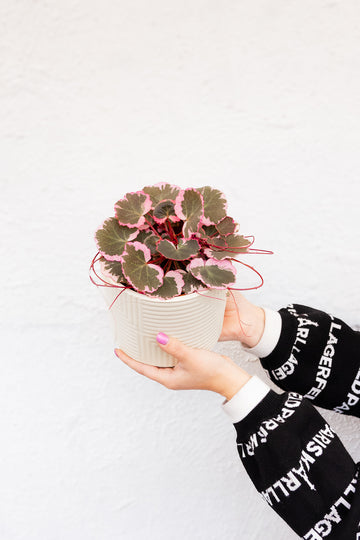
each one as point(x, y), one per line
point(160, 191)
point(111, 238)
point(148, 238)
point(189, 207)
point(215, 205)
point(184, 250)
point(172, 285)
point(142, 276)
point(237, 242)
point(208, 230)
point(165, 210)
point(112, 270)
point(191, 284)
point(216, 247)
point(214, 274)
point(131, 210)
point(229, 246)
point(226, 226)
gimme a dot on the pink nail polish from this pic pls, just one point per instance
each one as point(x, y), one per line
point(162, 338)
point(116, 353)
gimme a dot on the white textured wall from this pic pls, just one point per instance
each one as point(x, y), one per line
point(98, 98)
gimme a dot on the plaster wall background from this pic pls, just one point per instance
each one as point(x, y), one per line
point(99, 98)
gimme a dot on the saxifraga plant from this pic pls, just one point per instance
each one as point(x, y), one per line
point(165, 241)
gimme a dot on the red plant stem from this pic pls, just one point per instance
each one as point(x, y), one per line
point(237, 312)
point(158, 260)
point(253, 239)
point(169, 229)
point(259, 252)
point(251, 268)
point(152, 228)
point(236, 250)
point(171, 232)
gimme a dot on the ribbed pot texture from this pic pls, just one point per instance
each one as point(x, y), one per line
point(196, 319)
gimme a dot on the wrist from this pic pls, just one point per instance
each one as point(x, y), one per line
point(253, 327)
point(231, 381)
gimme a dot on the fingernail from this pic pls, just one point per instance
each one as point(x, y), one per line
point(162, 338)
point(115, 351)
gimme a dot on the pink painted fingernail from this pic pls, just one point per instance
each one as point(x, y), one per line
point(115, 351)
point(162, 338)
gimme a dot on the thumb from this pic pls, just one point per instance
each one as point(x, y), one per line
point(172, 346)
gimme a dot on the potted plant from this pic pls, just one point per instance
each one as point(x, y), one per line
point(165, 265)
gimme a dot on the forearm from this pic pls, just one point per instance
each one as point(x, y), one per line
point(308, 351)
point(317, 355)
point(297, 463)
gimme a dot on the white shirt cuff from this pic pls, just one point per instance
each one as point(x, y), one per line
point(246, 399)
point(271, 335)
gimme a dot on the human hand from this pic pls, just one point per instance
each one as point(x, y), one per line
point(196, 369)
point(243, 321)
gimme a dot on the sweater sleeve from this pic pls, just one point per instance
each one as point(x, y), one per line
point(318, 356)
point(298, 464)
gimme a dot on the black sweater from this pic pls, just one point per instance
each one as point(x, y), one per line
point(295, 460)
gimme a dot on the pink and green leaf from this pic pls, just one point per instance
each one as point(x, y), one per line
point(131, 210)
point(140, 274)
point(112, 270)
point(148, 238)
point(215, 205)
point(165, 210)
point(206, 231)
point(213, 273)
point(191, 284)
point(237, 242)
point(186, 249)
point(172, 285)
point(229, 246)
point(189, 207)
point(160, 191)
point(111, 238)
point(226, 226)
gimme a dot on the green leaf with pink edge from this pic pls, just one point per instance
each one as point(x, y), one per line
point(189, 207)
point(131, 210)
point(148, 238)
point(111, 238)
point(141, 275)
point(210, 250)
point(237, 241)
point(186, 249)
point(214, 274)
point(172, 285)
point(165, 210)
point(160, 191)
point(215, 205)
point(231, 245)
point(112, 270)
point(206, 231)
point(191, 284)
point(226, 226)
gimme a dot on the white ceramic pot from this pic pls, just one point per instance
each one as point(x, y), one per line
point(196, 319)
